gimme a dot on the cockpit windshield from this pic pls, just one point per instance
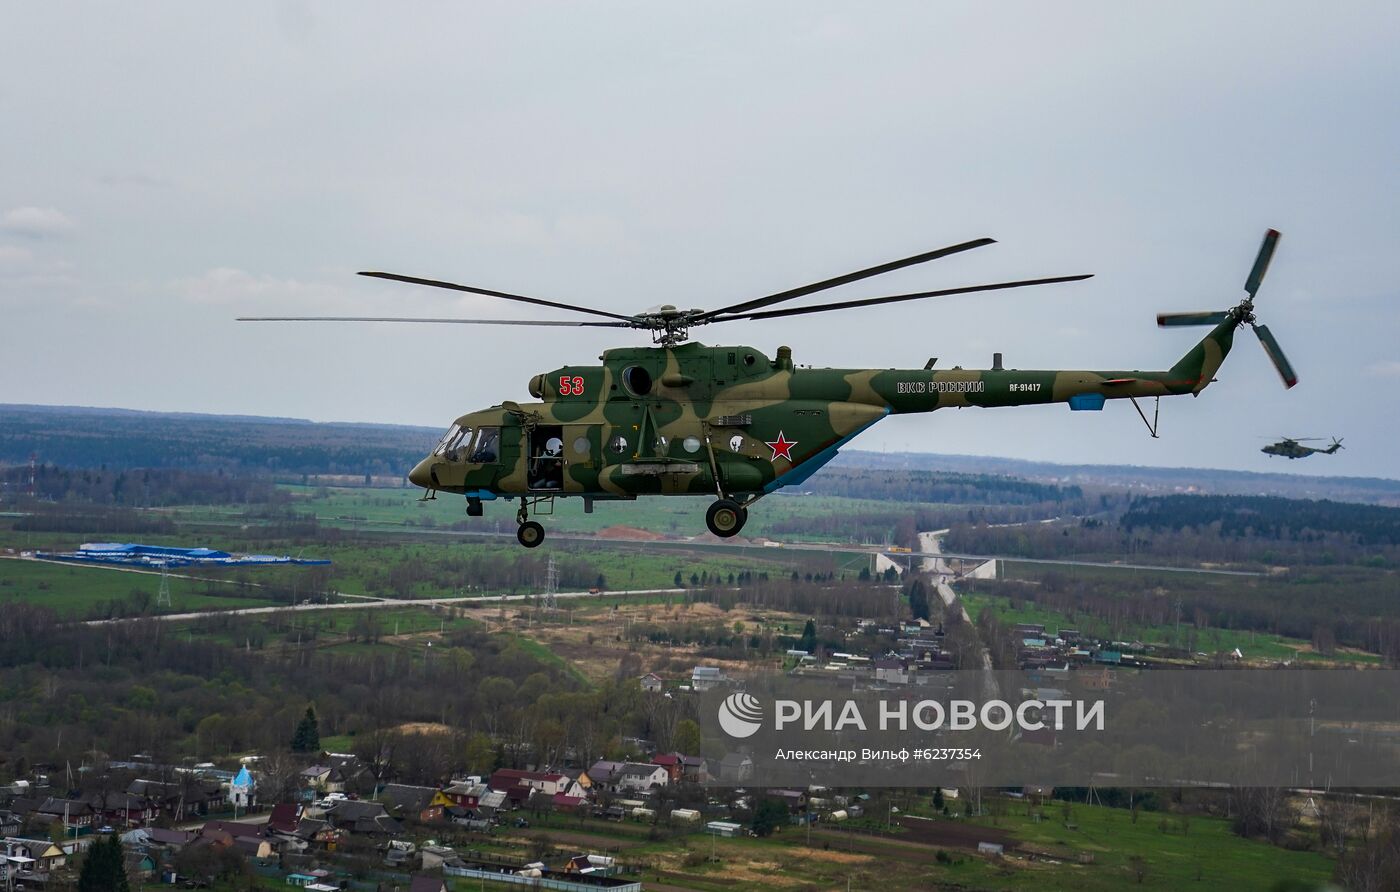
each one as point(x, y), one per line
point(454, 439)
point(488, 445)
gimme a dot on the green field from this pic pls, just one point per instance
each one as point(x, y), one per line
point(382, 508)
point(1200, 853)
point(1210, 640)
point(76, 591)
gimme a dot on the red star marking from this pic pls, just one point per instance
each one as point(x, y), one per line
point(782, 447)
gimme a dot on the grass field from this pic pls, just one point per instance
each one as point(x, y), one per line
point(682, 517)
point(1202, 853)
point(75, 590)
point(1254, 645)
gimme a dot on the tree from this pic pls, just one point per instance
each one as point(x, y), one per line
point(938, 799)
point(307, 738)
point(809, 637)
point(918, 599)
point(103, 868)
point(768, 815)
point(479, 754)
point(687, 737)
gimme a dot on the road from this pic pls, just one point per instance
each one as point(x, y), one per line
point(371, 603)
point(931, 546)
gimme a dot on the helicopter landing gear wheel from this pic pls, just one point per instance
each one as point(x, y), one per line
point(725, 518)
point(530, 534)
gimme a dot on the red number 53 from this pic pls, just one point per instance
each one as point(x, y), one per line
point(570, 386)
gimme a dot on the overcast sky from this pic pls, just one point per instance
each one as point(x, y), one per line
point(167, 167)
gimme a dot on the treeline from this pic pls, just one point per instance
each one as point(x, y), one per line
point(939, 487)
point(144, 488)
point(116, 439)
point(1267, 517)
point(138, 488)
point(1105, 540)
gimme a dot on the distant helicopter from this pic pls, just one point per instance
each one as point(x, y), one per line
point(1289, 447)
point(682, 419)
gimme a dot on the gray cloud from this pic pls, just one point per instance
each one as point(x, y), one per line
point(37, 222)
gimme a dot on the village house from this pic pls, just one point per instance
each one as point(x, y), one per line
point(190, 798)
point(322, 779)
point(356, 816)
point(45, 854)
point(284, 818)
point(652, 683)
point(603, 773)
point(412, 803)
point(637, 777)
point(734, 768)
point(550, 782)
point(703, 678)
point(680, 767)
point(892, 671)
point(122, 810)
point(75, 815)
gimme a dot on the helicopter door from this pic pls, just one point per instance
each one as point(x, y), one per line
point(582, 443)
point(545, 464)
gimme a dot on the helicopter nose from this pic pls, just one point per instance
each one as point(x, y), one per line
point(422, 474)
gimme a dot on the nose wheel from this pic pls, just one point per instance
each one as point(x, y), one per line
point(726, 517)
point(530, 534)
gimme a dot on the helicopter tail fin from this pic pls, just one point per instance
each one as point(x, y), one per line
point(1197, 368)
point(1336, 444)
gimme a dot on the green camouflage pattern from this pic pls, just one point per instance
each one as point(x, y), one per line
point(731, 421)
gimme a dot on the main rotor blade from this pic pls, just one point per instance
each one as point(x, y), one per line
point(1261, 262)
point(842, 280)
point(896, 298)
point(415, 319)
point(472, 289)
point(1169, 319)
point(1271, 347)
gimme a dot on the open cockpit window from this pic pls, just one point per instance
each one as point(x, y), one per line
point(487, 446)
point(455, 438)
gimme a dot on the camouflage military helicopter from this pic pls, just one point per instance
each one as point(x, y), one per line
point(680, 418)
point(1290, 447)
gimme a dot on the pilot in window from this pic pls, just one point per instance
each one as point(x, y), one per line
point(487, 445)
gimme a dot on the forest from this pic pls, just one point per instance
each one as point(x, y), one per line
point(144, 687)
point(1268, 517)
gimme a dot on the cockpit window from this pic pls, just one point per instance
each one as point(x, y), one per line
point(455, 437)
point(488, 445)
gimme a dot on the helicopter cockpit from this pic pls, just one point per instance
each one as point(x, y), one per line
point(459, 444)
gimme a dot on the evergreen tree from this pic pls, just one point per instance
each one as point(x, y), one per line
point(768, 815)
point(103, 868)
point(918, 599)
point(808, 641)
point(307, 738)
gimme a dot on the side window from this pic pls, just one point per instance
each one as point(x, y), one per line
point(451, 445)
point(488, 446)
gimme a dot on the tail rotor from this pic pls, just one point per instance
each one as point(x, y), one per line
point(1243, 313)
